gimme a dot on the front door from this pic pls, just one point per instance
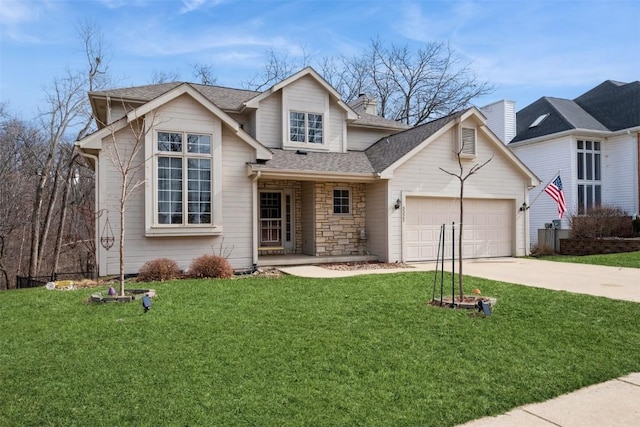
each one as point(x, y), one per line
point(276, 219)
point(271, 218)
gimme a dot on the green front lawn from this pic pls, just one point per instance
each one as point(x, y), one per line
point(626, 259)
point(365, 350)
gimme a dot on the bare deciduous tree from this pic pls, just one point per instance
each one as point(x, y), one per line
point(204, 73)
point(411, 86)
point(158, 77)
point(462, 177)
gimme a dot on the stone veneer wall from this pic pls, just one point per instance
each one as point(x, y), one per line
point(277, 185)
point(339, 234)
point(598, 246)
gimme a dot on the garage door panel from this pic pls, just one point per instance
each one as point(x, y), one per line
point(487, 230)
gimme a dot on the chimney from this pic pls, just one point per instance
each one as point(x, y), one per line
point(366, 104)
point(501, 119)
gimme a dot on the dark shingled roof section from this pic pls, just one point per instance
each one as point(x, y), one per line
point(387, 151)
point(223, 97)
point(610, 106)
point(349, 162)
point(616, 105)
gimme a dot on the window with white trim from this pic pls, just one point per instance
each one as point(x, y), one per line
point(341, 201)
point(589, 175)
point(184, 179)
point(305, 127)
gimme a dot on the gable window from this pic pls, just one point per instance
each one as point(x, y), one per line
point(341, 201)
point(184, 179)
point(589, 175)
point(468, 142)
point(305, 127)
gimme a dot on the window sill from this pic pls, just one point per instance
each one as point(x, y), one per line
point(307, 146)
point(183, 231)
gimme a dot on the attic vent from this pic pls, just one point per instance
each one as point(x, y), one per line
point(539, 120)
point(468, 140)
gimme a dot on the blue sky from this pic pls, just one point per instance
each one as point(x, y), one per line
point(527, 49)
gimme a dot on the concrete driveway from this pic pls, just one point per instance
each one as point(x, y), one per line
point(611, 282)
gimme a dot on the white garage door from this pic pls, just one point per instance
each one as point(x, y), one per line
point(487, 232)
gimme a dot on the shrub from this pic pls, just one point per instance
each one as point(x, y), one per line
point(601, 221)
point(213, 266)
point(541, 249)
point(159, 270)
point(636, 225)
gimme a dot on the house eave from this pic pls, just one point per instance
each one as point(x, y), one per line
point(572, 132)
point(304, 175)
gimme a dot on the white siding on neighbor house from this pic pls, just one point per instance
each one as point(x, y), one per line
point(421, 176)
point(545, 159)
point(359, 139)
point(236, 199)
point(268, 128)
point(377, 211)
point(619, 177)
point(501, 119)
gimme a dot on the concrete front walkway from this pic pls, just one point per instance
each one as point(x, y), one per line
point(612, 403)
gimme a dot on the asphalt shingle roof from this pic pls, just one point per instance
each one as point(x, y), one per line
point(387, 151)
point(223, 97)
point(610, 106)
point(349, 162)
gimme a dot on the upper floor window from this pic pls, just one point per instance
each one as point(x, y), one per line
point(589, 175)
point(305, 127)
point(184, 179)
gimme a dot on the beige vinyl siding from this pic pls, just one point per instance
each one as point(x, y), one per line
point(306, 95)
point(236, 200)
point(421, 176)
point(360, 139)
point(377, 211)
point(337, 127)
point(269, 121)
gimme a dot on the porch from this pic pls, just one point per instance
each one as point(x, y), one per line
point(300, 259)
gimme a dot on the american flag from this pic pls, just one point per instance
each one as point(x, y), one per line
point(554, 189)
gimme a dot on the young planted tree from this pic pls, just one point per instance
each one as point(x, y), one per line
point(462, 176)
point(126, 155)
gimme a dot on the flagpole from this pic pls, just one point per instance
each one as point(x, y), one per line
point(542, 191)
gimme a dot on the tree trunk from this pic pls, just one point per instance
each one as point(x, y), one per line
point(44, 232)
point(460, 291)
point(63, 213)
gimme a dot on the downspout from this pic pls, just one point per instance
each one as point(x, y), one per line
point(96, 206)
point(254, 191)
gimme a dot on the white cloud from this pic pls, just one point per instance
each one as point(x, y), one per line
point(191, 5)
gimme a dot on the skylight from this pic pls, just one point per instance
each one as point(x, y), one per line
point(539, 120)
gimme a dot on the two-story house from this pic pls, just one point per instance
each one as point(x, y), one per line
point(294, 170)
point(593, 142)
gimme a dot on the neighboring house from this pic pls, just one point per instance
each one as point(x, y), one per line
point(592, 140)
point(295, 170)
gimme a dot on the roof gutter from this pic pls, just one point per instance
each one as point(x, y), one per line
point(585, 132)
point(301, 175)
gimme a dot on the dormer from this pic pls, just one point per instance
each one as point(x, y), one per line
point(302, 112)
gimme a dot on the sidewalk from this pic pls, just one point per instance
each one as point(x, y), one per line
point(614, 403)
